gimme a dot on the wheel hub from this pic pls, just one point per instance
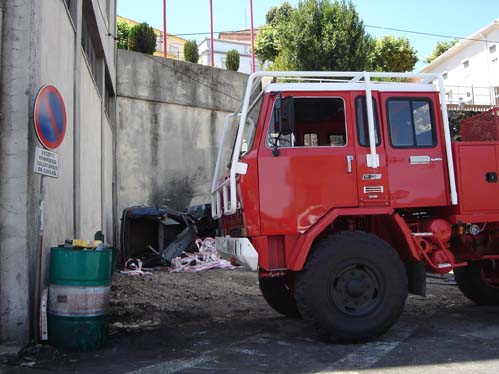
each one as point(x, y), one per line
point(356, 289)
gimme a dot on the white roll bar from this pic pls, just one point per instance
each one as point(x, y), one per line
point(228, 187)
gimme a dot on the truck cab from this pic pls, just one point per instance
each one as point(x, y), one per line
point(342, 203)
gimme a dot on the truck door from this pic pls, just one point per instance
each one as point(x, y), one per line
point(414, 150)
point(314, 170)
point(372, 183)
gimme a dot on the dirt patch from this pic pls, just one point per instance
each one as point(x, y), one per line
point(164, 298)
point(217, 319)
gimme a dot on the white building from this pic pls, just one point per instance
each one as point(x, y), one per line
point(471, 68)
point(221, 47)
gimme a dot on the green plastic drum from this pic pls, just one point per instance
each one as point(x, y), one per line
point(78, 304)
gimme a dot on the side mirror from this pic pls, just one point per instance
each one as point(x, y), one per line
point(287, 120)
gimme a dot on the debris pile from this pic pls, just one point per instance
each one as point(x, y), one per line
point(156, 236)
point(204, 259)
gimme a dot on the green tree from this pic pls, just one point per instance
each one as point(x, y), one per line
point(267, 41)
point(322, 35)
point(393, 53)
point(142, 38)
point(191, 53)
point(266, 44)
point(123, 31)
point(439, 49)
point(278, 14)
point(232, 61)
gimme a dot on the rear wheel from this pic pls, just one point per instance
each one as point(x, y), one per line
point(479, 282)
point(353, 286)
point(278, 294)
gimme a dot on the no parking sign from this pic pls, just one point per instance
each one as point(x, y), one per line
point(50, 117)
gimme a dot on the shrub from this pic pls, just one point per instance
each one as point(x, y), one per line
point(191, 53)
point(123, 31)
point(232, 61)
point(142, 38)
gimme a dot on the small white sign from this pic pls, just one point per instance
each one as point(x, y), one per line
point(46, 163)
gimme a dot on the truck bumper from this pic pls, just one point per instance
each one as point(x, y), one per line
point(239, 249)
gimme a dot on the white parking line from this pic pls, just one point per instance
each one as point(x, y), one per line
point(168, 367)
point(369, 353)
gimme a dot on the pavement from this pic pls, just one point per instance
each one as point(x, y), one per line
point(441, 333)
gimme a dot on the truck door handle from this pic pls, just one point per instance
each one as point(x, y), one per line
point(417, 160)
point(349, 163)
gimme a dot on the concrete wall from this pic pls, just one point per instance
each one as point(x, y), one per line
point(14, 181)
point(169, 118)
point(41, 44)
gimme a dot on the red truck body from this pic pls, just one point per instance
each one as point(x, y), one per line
point(313, 186)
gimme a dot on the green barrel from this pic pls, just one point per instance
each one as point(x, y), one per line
point(78, 302)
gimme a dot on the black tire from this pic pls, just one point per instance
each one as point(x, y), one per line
point(471, 282)
point(279, 296)
point(353, 287)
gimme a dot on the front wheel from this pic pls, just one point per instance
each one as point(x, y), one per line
point(353, 286)
point(479, 282)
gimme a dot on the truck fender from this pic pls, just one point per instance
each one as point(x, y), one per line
point(300, 252)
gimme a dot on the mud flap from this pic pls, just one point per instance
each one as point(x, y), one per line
point(416, 277)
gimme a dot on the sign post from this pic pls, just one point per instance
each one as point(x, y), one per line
point(49, 115)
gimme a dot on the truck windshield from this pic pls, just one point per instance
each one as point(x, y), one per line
point(250, 125)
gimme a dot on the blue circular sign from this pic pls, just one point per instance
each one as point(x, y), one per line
point(50, 117)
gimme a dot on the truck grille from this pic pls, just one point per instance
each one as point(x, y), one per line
point(373, 189)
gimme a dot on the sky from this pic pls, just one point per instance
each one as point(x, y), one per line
point(456, 18)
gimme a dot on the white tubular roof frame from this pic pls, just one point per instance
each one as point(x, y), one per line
point(363, 78)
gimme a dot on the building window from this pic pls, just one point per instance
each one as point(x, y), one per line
point(492, 49)
point(109, 100)
point(71, 5)
point(94, 61)
point(466, 64)
point(411, 123)
point(159, 43)
point(175, 51)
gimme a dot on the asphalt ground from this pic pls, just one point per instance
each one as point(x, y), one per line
point(224, 326)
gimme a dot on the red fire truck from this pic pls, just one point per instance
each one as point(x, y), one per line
point(344, 203)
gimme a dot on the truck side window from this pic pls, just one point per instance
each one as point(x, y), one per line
point(319, 122)
point(362, 123)
point(411, 123)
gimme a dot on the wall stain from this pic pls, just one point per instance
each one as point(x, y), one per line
point(178, 192)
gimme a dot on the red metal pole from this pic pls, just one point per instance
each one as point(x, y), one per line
point(212, 54)
point(164, 29)
point(252, 39)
